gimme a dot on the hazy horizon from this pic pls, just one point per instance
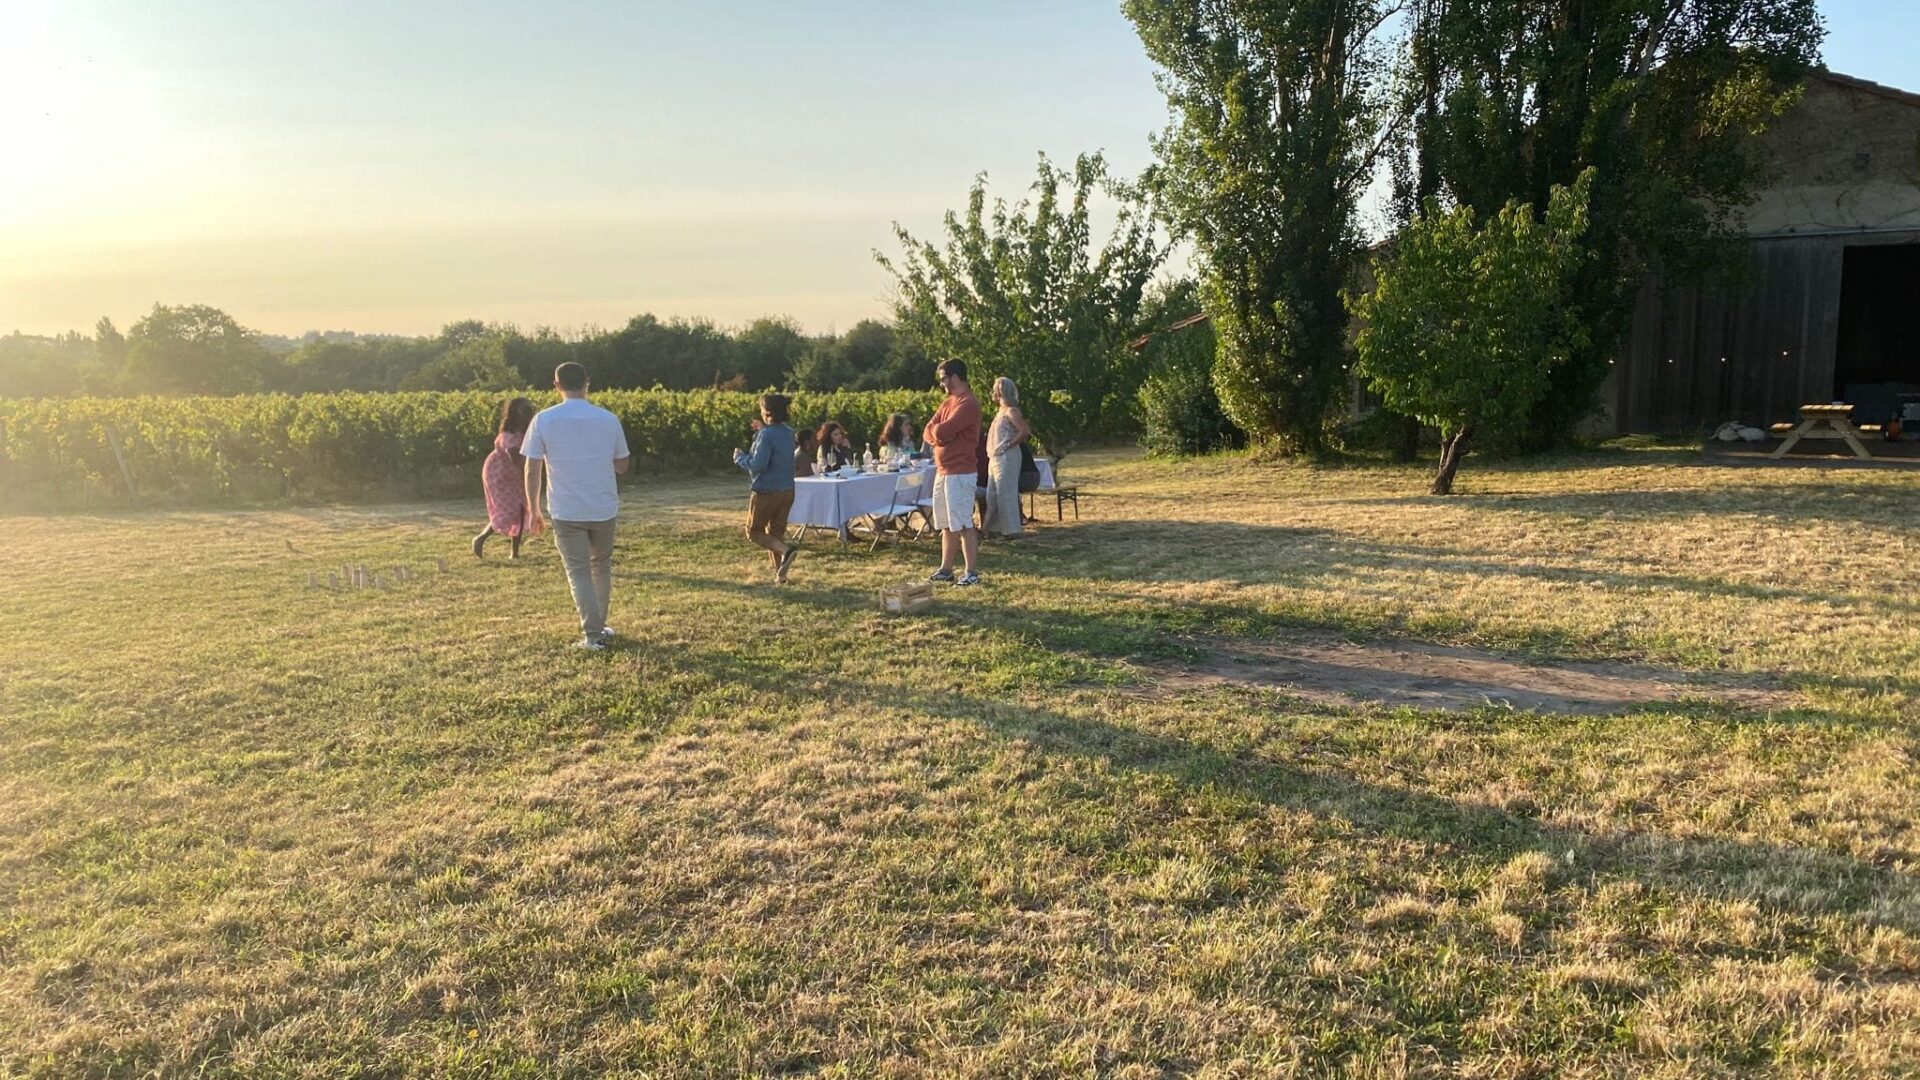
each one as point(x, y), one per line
point(388, 171)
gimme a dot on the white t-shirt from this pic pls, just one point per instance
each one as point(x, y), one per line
point(579, 442)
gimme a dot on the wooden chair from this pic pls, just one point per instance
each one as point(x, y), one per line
point(1062, 495)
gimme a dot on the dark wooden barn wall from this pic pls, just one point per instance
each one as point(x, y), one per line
point(1698, 356)
point(1701, 355)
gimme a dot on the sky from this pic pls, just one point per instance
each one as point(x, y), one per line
point(391, 167)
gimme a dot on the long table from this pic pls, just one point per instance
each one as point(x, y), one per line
point(831, 502)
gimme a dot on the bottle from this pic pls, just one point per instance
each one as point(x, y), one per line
point(866, 459)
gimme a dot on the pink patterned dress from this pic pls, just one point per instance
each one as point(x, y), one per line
point(506, 487)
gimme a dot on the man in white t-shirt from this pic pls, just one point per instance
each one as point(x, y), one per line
point(577, 449)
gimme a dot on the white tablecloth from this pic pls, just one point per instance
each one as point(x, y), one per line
point(830, 503)
point(1046, 472)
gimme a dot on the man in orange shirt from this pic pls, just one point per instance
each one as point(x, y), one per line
point(954, 434)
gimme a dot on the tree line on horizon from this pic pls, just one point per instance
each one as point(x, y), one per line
point(195, 349)
point(1084, 356)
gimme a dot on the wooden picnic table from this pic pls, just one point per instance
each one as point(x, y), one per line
point(1823, 422)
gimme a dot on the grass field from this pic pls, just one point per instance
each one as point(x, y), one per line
point(248, 829)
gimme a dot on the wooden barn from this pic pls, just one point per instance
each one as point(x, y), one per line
point(1830, 307)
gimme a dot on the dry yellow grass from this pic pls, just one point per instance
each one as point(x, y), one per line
point(248, 829)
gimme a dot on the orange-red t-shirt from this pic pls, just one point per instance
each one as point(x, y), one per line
point(954, 432)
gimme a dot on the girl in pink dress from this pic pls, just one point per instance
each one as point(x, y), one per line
point(504, 476)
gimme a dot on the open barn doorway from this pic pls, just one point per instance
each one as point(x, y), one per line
point(1877, 360)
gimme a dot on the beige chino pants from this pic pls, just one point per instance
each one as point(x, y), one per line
point(586, 550)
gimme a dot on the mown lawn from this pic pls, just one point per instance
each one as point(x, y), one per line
point(248, 829)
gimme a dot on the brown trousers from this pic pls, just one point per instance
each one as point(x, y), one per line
point(767, 519)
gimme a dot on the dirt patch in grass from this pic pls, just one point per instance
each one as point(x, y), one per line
point(1443, 677)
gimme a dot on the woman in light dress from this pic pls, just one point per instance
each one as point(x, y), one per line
point(504, 478)
point(1008, 431)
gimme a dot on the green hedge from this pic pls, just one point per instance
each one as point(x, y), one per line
point(59, 452)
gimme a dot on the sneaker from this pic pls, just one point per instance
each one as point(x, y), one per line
point(940, 575)
point(786, 563)
point(606, 632)
point(591, 644)
point(967, 579)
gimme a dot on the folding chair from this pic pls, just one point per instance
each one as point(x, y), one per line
point(925, 507)
point(906, 500)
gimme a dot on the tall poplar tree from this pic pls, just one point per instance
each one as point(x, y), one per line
point(1278, 112)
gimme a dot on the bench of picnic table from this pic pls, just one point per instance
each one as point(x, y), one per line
point(1822, 422)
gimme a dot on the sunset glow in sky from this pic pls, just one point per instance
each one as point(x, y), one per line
point(392, 167)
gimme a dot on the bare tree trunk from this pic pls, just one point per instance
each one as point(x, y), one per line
point(1451, 452)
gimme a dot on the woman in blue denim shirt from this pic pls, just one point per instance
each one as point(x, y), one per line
point(770, 463)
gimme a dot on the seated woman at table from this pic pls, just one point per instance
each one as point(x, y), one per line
point(806, 444)
point(836, 450)
point(896, 439)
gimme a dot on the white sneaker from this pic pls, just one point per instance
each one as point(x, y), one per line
point(591, 644)
point(606, 632)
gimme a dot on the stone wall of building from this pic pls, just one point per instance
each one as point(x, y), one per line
point(1845, 158)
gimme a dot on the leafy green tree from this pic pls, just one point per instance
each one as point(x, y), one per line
point(824, 366)
point(766, 349)
point(321, 366)
point(870, 356)
point(1181, 414)
point(1508, 99)
point(1022, 291)
point(533, 357)
point(675, 355)
point(1179, 409)
point(109, 345)
point(1279, 111)
point(62, 366)
point(1452, 333)
point(880, 358)
point(476, 364)
point(455, 334)
point(195, 349)
point(1175, 330)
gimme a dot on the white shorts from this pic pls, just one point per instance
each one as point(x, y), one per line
point(953, 502)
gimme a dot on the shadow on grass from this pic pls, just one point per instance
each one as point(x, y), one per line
point(1142, 627)
point(1132, 552)
point(1809, 882)
point(1844, 503)
point(1802, 881)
